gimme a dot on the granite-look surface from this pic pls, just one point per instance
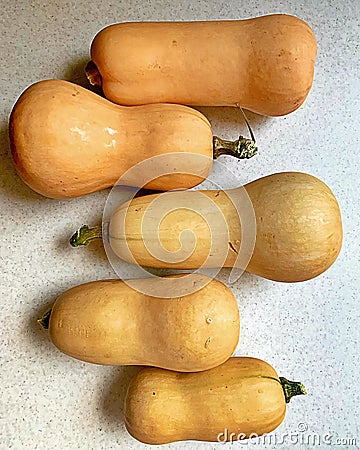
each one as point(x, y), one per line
point(308, 331)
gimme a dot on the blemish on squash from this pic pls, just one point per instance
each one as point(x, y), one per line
point(233, 248)
point(209, 320)
point(154, 65)
point(269, 237)
point(207, 342)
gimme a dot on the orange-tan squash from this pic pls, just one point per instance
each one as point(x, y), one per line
point(296, 227)
point(67, 141)
point(113, 323)
point(265, 64)
point(243, 397)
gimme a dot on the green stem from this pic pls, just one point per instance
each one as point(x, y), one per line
point(242, 148)
point(45, 319)
point(84, 235)
point(291, 388)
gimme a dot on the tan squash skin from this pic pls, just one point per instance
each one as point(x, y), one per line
point(265, 64)
point(243, 395)
point(67, 141)
point(110, 323)
point(298, 228)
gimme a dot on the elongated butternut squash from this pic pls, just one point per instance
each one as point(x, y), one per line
point(241, 398)
point(113, 323)
point(297, 228)
point(265, 64)
point(67, 141)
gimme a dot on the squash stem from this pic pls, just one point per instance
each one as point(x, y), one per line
point(291, 388)
point(45, 319)
point(93, 74)
point(242, 148)
point(84, 235)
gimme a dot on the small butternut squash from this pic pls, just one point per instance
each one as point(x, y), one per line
point(241, 398)
point(296, 228)
point(265, 64)
point(67, 141)
point(113, 323)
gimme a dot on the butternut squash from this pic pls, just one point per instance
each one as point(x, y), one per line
point(265, 64)
point(67, 141)
point(296, 228)
point(112, 322)
point(241, 398)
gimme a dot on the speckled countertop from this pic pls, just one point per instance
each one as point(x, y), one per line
point(308, 331)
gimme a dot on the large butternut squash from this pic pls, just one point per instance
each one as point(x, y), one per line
point(67, 141)
point(265, 64)
point(113, 323)
point(296, 228)
point(243, 397)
